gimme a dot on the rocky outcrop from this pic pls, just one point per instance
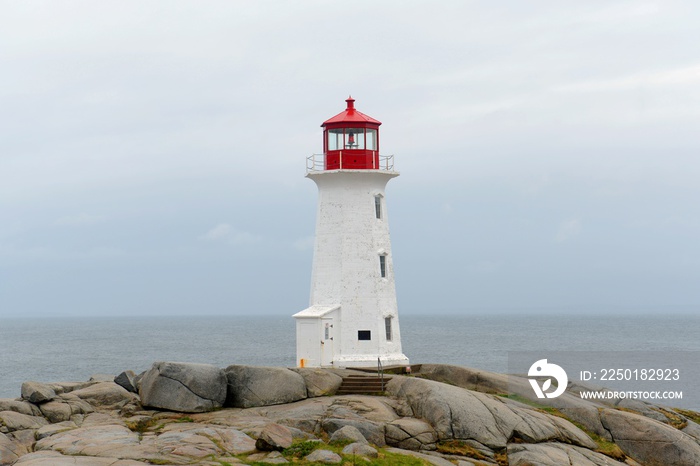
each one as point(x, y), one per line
point(9, 451)
point(476, 380)
point(250, 386)
point(460, 414)
point(102, 423)
point(13, 421)
point(556, 454)
point(183, 387)
point(411, 434)
point(649, 441)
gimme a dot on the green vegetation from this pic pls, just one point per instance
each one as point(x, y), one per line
point(184, 419)
point(142, 425)
point(458, 447)
point(692, 415)
point(605, 447)
point(300, 449)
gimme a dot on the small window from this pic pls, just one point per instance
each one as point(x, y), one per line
point(378, 206)
point(364, 335)
point(382, 265)
point(387, 326)
point(326, 335)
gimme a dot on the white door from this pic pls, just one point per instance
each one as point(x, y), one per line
point(327, 333)
point(307, 343)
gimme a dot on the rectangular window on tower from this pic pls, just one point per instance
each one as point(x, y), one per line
point(364, 335)
point(387, 326)
point(378, 206)
point(382, 265)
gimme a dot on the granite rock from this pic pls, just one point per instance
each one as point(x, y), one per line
point(251, 386)
point(183, 387)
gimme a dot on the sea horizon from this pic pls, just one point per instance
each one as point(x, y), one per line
point(73, 348)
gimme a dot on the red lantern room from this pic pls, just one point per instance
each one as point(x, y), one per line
point(351, 140)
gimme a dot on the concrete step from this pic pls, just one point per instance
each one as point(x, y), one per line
point(361, 385)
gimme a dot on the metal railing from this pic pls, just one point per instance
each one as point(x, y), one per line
point(380, 372)
point(317, 163)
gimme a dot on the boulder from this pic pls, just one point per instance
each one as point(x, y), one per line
point(64, 407)
point(319, 382)
point(274, 437)
point(324, 457)
point(104, 395)
point(650, 442)
point(373, 432)
point(36, 392)
point(183, 387)
point(251, 386)
point(126, 381)
point(17, 406)
point(16, 421)
point(360, 449)
point(348, 434)
point(556, 454)
point(410, 434)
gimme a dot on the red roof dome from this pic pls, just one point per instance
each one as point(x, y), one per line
point(350, 115)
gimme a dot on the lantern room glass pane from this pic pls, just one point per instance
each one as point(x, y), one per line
point(371, 139)
point(354, 138)
point(335, 139)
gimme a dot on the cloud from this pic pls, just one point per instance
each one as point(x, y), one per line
point(225, 233)
point(568, 229)
point(79, 220)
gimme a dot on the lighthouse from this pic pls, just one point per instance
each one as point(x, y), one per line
point(352, 319)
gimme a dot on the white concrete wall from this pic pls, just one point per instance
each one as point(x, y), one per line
point(346, 266)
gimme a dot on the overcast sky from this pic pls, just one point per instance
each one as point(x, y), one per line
point(152, 154)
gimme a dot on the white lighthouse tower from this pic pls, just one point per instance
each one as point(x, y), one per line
point(352, 319)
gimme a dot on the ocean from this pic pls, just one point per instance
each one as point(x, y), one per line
point(72, 349)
